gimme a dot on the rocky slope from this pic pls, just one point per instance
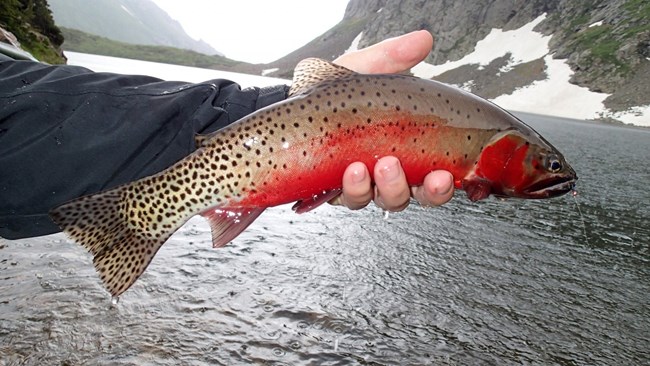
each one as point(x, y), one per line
point(605, 42)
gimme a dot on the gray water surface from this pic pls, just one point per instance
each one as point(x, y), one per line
point(498, 282)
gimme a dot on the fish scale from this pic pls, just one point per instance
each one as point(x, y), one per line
point(297, 151)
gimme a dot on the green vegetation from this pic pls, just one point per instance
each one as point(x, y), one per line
point(639, 7)
point(87, 43)
point(32, 24)
point(601, 42)
point(639, 11)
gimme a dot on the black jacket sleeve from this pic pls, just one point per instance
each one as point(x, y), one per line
point(66, 132)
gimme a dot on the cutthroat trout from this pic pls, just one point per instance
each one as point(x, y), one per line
point(297, 151)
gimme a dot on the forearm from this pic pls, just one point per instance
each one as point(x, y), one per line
point(67, 132)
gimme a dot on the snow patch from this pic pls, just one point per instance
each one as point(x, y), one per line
point(269, 71)
point(639, 116)
point(467, 86)
point(127, 10)
point(523, 44)
point(555, 95)
point(355, 43)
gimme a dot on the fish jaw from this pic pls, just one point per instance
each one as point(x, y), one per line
point(551, 187)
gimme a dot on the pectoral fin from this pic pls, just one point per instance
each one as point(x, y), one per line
point(477, 188)
point(311, 203)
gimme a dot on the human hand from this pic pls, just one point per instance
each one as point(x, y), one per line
point(391, 191)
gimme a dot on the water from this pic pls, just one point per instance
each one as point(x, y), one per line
point(489, 283)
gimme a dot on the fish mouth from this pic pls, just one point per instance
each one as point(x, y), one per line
point(552, 187)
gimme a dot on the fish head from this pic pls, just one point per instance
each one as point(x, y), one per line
point(521, 164)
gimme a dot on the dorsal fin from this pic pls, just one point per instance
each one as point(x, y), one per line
point(313, 71)
point(200, 140)
point(205, 140)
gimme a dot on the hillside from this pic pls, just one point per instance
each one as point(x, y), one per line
point(79, 41)
point(31, 23)
point(606, 44)
point(129, 21)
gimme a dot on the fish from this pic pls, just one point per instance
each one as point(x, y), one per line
point(297, 150)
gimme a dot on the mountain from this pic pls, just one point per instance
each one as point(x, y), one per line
point(130, 21)
point(605, 45)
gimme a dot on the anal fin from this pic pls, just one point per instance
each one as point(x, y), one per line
point(227, 223)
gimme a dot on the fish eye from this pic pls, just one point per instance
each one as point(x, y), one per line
point(554, 164)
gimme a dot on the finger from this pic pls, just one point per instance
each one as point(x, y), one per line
point(357, 191)
point(392, 192)
point(392, 55)
point(437, 189)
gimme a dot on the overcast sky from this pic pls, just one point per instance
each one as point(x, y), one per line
point(255, 31)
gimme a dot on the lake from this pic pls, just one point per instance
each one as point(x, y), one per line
point(498, 282)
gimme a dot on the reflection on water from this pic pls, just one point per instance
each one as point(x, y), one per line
point(494, 282)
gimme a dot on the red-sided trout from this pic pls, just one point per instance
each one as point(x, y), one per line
point(297, 151)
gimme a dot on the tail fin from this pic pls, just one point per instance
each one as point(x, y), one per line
point(122, 246)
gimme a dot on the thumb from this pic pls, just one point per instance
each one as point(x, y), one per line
point(392, 55)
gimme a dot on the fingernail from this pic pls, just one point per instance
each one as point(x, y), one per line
point(390, 172)
point(358, 175)
point(443, 189)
